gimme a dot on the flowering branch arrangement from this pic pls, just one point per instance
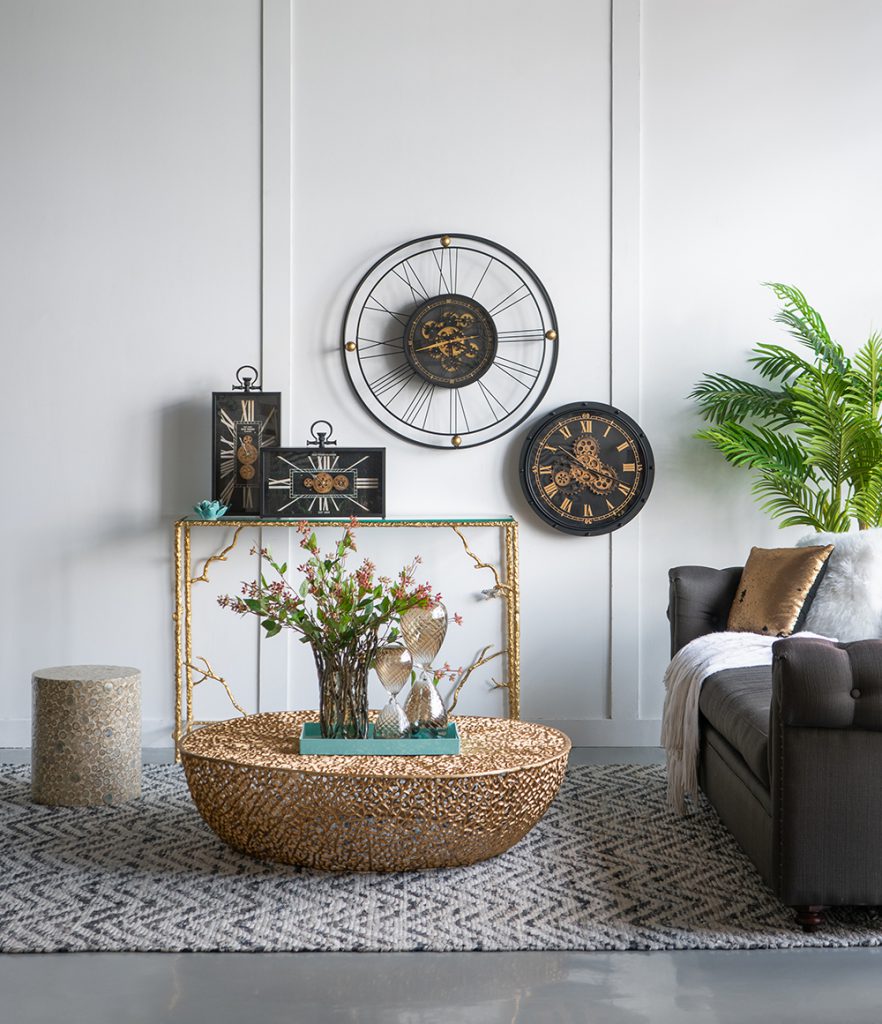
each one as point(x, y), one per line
point(334, 607)
point(345, 616)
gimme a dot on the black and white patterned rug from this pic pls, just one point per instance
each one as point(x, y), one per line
point(609, 867)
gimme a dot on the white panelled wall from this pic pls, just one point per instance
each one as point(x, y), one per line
point(181, 194)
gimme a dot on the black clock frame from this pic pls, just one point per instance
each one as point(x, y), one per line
point(270, 456)
point(528, 484)
point(265, 399)
point(549, 329)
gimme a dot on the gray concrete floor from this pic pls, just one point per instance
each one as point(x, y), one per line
point(815, 986)
point(812, 986)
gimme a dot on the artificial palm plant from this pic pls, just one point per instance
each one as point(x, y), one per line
point(813, 434)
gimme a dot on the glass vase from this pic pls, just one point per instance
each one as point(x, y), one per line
point(343, 698)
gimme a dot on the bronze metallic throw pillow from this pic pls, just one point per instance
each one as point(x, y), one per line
point(776, 589)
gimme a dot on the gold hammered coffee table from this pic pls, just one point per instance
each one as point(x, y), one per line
point(351, 813)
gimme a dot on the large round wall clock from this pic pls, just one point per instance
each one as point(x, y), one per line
point(587, 468)
point(450, 341)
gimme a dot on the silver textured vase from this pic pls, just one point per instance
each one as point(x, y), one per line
point(391, 723)
point(424, 707)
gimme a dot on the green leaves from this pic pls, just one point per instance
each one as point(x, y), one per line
point(759, 448)
point(807, 325)
point(721, 397)
point(815, 442)
point(331, 608)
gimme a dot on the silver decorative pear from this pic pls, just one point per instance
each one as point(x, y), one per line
point(392, 722)
point(424, 707)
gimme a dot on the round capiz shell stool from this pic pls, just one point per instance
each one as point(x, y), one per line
point(86, 735)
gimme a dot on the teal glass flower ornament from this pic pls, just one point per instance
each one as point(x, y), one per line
point(209, 509)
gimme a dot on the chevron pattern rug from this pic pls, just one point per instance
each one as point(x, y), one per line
point(609, 867)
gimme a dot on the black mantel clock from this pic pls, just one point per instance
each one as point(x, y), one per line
point(244, 420)
point(587, 468)
point(450, 340)
point(322, 480)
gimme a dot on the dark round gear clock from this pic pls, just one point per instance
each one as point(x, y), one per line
point(587, 468)
point(450, 340)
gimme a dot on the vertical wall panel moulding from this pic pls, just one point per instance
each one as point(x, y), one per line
point(277, 300)
point(624, 669)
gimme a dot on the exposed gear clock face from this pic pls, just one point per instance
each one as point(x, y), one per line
point(587, 468)
point(244, 421)
point(450, 341)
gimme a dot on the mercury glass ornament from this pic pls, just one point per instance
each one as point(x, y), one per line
point(424, 708)
point(394, 665)
point(423, 630)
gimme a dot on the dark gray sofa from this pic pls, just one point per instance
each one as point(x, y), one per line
point(791, 756)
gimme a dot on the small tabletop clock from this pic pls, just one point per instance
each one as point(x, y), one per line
point(450, 341)
point(587, 468)
point(321, 481)
point(244, 421)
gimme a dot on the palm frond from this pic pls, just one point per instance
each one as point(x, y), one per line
point(866, 380)
point(758, 448)
point(814, 443)
point(807, 325)
point(721, 397)
point(774, 362)
point(798, 503)
point(821, 426)
point(866, 503)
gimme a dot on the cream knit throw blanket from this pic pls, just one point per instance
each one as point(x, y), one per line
point(690, 667)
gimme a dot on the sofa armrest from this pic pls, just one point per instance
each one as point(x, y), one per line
point(699, 601)
point(825, 753)
point(818, 684)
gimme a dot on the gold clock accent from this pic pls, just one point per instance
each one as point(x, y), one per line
point(551, 335)
point(246, 454)
point(456, 440)
point(445, 241)
point(321, 483)
point(351, 346)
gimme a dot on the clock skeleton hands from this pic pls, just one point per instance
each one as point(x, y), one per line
point(582, 469)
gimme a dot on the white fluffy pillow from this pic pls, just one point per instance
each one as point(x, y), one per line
point(848, 604)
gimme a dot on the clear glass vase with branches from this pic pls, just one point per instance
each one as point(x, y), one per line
point(343, 614)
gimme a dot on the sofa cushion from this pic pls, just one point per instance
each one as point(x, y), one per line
point(736, 702)
point(848, 604)
point(776, 589)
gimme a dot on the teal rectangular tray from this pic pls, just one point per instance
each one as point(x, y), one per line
point(311, 742)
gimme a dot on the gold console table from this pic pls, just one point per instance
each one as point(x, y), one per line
point(505, 585)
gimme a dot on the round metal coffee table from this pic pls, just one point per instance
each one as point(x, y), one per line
point(356, 813)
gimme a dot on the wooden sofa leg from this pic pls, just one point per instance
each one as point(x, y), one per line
point(810, 918)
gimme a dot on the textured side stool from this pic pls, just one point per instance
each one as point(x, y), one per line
point(86, 735)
